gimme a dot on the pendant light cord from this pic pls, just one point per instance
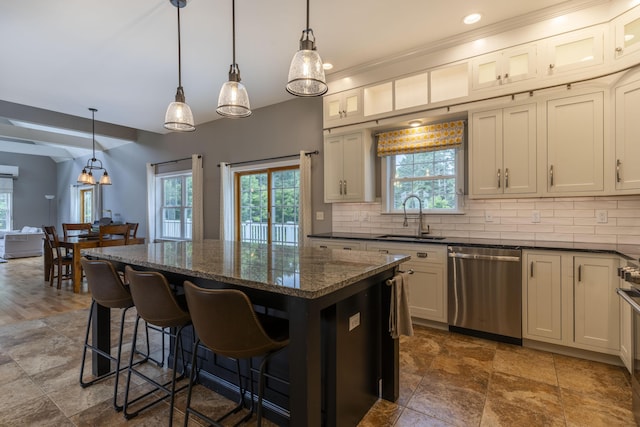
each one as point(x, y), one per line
point(307, 15)
point(93, 131)
point(179, 52)
point(233, 29)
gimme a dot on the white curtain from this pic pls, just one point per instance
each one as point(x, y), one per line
point(151, 203)
point(197, 176)
point(226, 202)
point(304, 227)
point(74, 214)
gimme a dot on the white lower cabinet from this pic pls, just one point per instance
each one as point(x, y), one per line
point(597, 305)
point(542, 294)
point(428, 283)
point(337, 244)
point(570, 299)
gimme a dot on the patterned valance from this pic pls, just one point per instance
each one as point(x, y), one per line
point(434, 137)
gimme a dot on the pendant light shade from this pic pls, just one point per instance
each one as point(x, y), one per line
point(86, 176)
point(306, 75)
point(179, 116)
point(233, 100)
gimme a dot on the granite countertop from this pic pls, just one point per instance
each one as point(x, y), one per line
point(291, 270)
point(631, 252)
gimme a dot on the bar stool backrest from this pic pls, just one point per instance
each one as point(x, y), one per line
point(154, 299)
point(105, 284)
point(225, 322)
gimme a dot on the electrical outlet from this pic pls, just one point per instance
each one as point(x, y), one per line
point(354, 321)
point(602, 217)
point(535, 216)
point(320, 216)
point(488, 217)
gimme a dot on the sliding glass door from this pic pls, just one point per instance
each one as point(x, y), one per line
point(267, 205)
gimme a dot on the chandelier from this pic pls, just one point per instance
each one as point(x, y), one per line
point(86, 176)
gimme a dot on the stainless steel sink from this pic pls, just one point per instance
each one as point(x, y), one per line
point(409, 238)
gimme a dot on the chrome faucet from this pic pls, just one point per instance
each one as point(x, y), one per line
point(420, 225)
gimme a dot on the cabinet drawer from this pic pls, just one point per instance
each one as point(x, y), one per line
point(419, 253)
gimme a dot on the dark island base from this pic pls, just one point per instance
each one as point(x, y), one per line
point(350, 373)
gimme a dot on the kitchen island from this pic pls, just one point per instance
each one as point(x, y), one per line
point(340, 357)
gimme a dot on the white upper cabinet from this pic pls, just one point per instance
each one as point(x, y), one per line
point(503, 151)
point(627, 33)
point(349, 168)
point(504, 67)
point(412, 91)
point(378, 99)
point(449, 82)
point(574, 51)
point(627, 166)
point(343, 108)
point(575, 144)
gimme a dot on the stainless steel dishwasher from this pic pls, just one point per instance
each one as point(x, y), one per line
point(485, 292)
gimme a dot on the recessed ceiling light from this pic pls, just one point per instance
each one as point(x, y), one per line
point(472, 18)
point(415, 123)
point(327, 65)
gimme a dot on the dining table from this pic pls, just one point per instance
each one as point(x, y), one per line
point(76, 243)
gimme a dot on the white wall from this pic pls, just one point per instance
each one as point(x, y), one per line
point(568, 219)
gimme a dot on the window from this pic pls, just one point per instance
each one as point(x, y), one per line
point(175, 206)
point(267, 205)
point(427, 162)
point(432, 176)
point(6, 200)
point(86, 205)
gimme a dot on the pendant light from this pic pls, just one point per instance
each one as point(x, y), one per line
point(306, 75)
point(179, 116)
point(86, 176)
point(233, 100)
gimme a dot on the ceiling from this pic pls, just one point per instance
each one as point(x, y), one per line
point(121, 56)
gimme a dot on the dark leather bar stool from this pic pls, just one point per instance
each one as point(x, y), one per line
point(106, 289)
point(158, 307)
point(225, 322)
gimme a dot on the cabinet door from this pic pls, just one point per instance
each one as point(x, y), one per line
point(486, 71)
point(575, 143)
point(519, 143)
point(597, 316)
point(486, 153)
point(333, 159)
point(519, 64)
point(427, 291)
point(627, 33)
point(575, 50)
point(543, 295)
point(628, 136)
point(353, 167)
point(626, 337)
point(333, 107)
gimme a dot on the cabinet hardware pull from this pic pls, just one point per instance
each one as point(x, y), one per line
point(580, 273)
point(422, 254)
point(531, 268)
point(551, 66)
point(323, 246)
point(345, 187)
point(506, 75)
point(383, 251)
point(498, 77)
point(551, 174)
point(618, 164)
point(340, 187)
point(506, 177)
point(347, 248)
point(619, 49)
point(498, 178)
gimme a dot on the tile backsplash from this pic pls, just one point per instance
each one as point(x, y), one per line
point(614, 219)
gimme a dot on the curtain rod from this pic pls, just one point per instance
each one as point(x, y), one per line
point(173, 161)
point(308, 153)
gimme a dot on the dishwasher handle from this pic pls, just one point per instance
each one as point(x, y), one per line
point(484, 257)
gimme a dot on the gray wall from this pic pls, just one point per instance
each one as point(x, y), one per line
point(37, 177)
point(277, 130)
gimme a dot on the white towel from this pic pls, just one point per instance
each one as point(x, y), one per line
point(399, 315)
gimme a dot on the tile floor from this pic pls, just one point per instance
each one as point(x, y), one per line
point(446, 379)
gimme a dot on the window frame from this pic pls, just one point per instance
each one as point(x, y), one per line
point(160, 206)
point(9, 216)
point(387, 193)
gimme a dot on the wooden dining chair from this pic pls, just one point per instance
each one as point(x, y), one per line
point(111, 235)
point(133, 229)
point(82, 227)
point(61, 264)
